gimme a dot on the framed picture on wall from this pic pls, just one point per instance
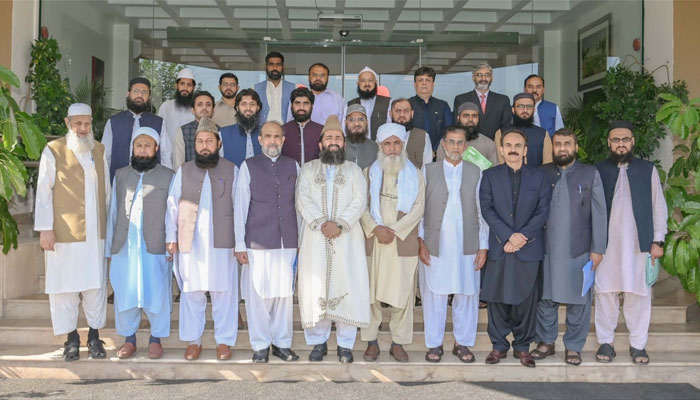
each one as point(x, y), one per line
point(593, 53)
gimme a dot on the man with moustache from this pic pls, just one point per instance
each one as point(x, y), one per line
point(199, 235)
point(274, 91)
point(71, 215)
point(576, 233)
point(240, 140)
point(418, 143)
point(637, 216)
point(494, 108)
point(301, 134)
point(430, 114)
point(453, 240)
point(547, 114)
point(225, 108)
point(183, 146)
point(266, 244)
point(514, 200)
point(468, 118)
point(539, 144)
point(119, 128)
point(359, 148)
point(376, 106)
point(395, 207)
point(333, 285)
point(139, 270)
point(327, 101)
point(178, 111)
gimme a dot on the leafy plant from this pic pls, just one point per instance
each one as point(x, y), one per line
point(13, 175)
point(682, 248)
point(93, 93)
point(50, 92)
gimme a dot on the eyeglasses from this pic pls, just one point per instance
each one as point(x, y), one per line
point(358, 119)
point(482, 75)
point(525, 106)
point(229, 85)
point(144, 92)
point(623, 140)
point(321, 75)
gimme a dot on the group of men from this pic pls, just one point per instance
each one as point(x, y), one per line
point(209, 189)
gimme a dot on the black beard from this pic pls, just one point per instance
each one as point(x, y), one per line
point(564, 160)
point(472, 132)
point(141, 164)
point(522, 123)
point(301, 117)
point(274, 75)
point(318, 87)
point(248, 123)
point(183, 101)
point(332, 157)
point(233, 96)
point(356, 138)
point(621, 158)
point(137, 108)
point(207, 162)
point(408, 125)
point(366, 94)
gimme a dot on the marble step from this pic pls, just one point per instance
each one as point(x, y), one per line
point(46, 362)
point(675, 308)
point(21, 332)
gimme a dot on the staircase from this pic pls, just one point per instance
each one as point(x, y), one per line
point(28, 348)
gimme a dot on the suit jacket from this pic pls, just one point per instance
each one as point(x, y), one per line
point(498, 111)
point(496, 199)
point(261, 89)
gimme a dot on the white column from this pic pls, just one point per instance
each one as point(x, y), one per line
point(122, 35)
point(551, 68)
point(25, 21)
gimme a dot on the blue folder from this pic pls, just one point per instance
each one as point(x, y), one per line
point(588, 277)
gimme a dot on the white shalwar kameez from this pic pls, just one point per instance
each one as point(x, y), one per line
point(203, 269)
point(452, 272)
point(267, 283)
point(78, 268)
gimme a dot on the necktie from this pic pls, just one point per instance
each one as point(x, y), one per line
point(483, 103)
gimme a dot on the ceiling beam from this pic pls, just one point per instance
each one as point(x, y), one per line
point(393, 18)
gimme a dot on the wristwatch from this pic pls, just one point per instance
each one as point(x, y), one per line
point(660, 243)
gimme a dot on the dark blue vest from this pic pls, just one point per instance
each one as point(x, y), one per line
point(122, 127)
point(639, 176)
point(547, 111)
point(579, 181)
point(272, 218)
point(234, 143)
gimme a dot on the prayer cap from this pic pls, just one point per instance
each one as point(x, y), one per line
point(144, 130)
point(332, 124)
point(620, 124)
point(356, 108)
point(185, 73)
point(76, 109)
point(207, 125)
point(523, 96)
point(391, 129)
point(139, 79)
point(467, 106)
point(368, 69)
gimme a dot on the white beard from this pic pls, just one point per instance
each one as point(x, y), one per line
point(80, 144)
point(392, 165)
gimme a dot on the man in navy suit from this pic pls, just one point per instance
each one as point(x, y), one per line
point(514, 201)
point(274, 91)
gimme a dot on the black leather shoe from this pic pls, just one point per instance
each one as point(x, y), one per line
point(318, 352)
point(261, 356)
point(96, 348)
point(284, 354)
point(344, 355)
point(71, 351)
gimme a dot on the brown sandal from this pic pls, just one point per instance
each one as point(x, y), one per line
point(463, 353)
point(573, 359)
point(434, 355)
point(538, 354)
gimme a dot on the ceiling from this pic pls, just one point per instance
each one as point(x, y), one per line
point(230, 34)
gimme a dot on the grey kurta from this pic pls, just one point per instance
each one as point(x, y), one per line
point(363, 154)
point(563, 276)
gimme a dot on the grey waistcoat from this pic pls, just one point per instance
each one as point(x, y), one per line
point(272, 218)
point(155, 196)
point(436, 201)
